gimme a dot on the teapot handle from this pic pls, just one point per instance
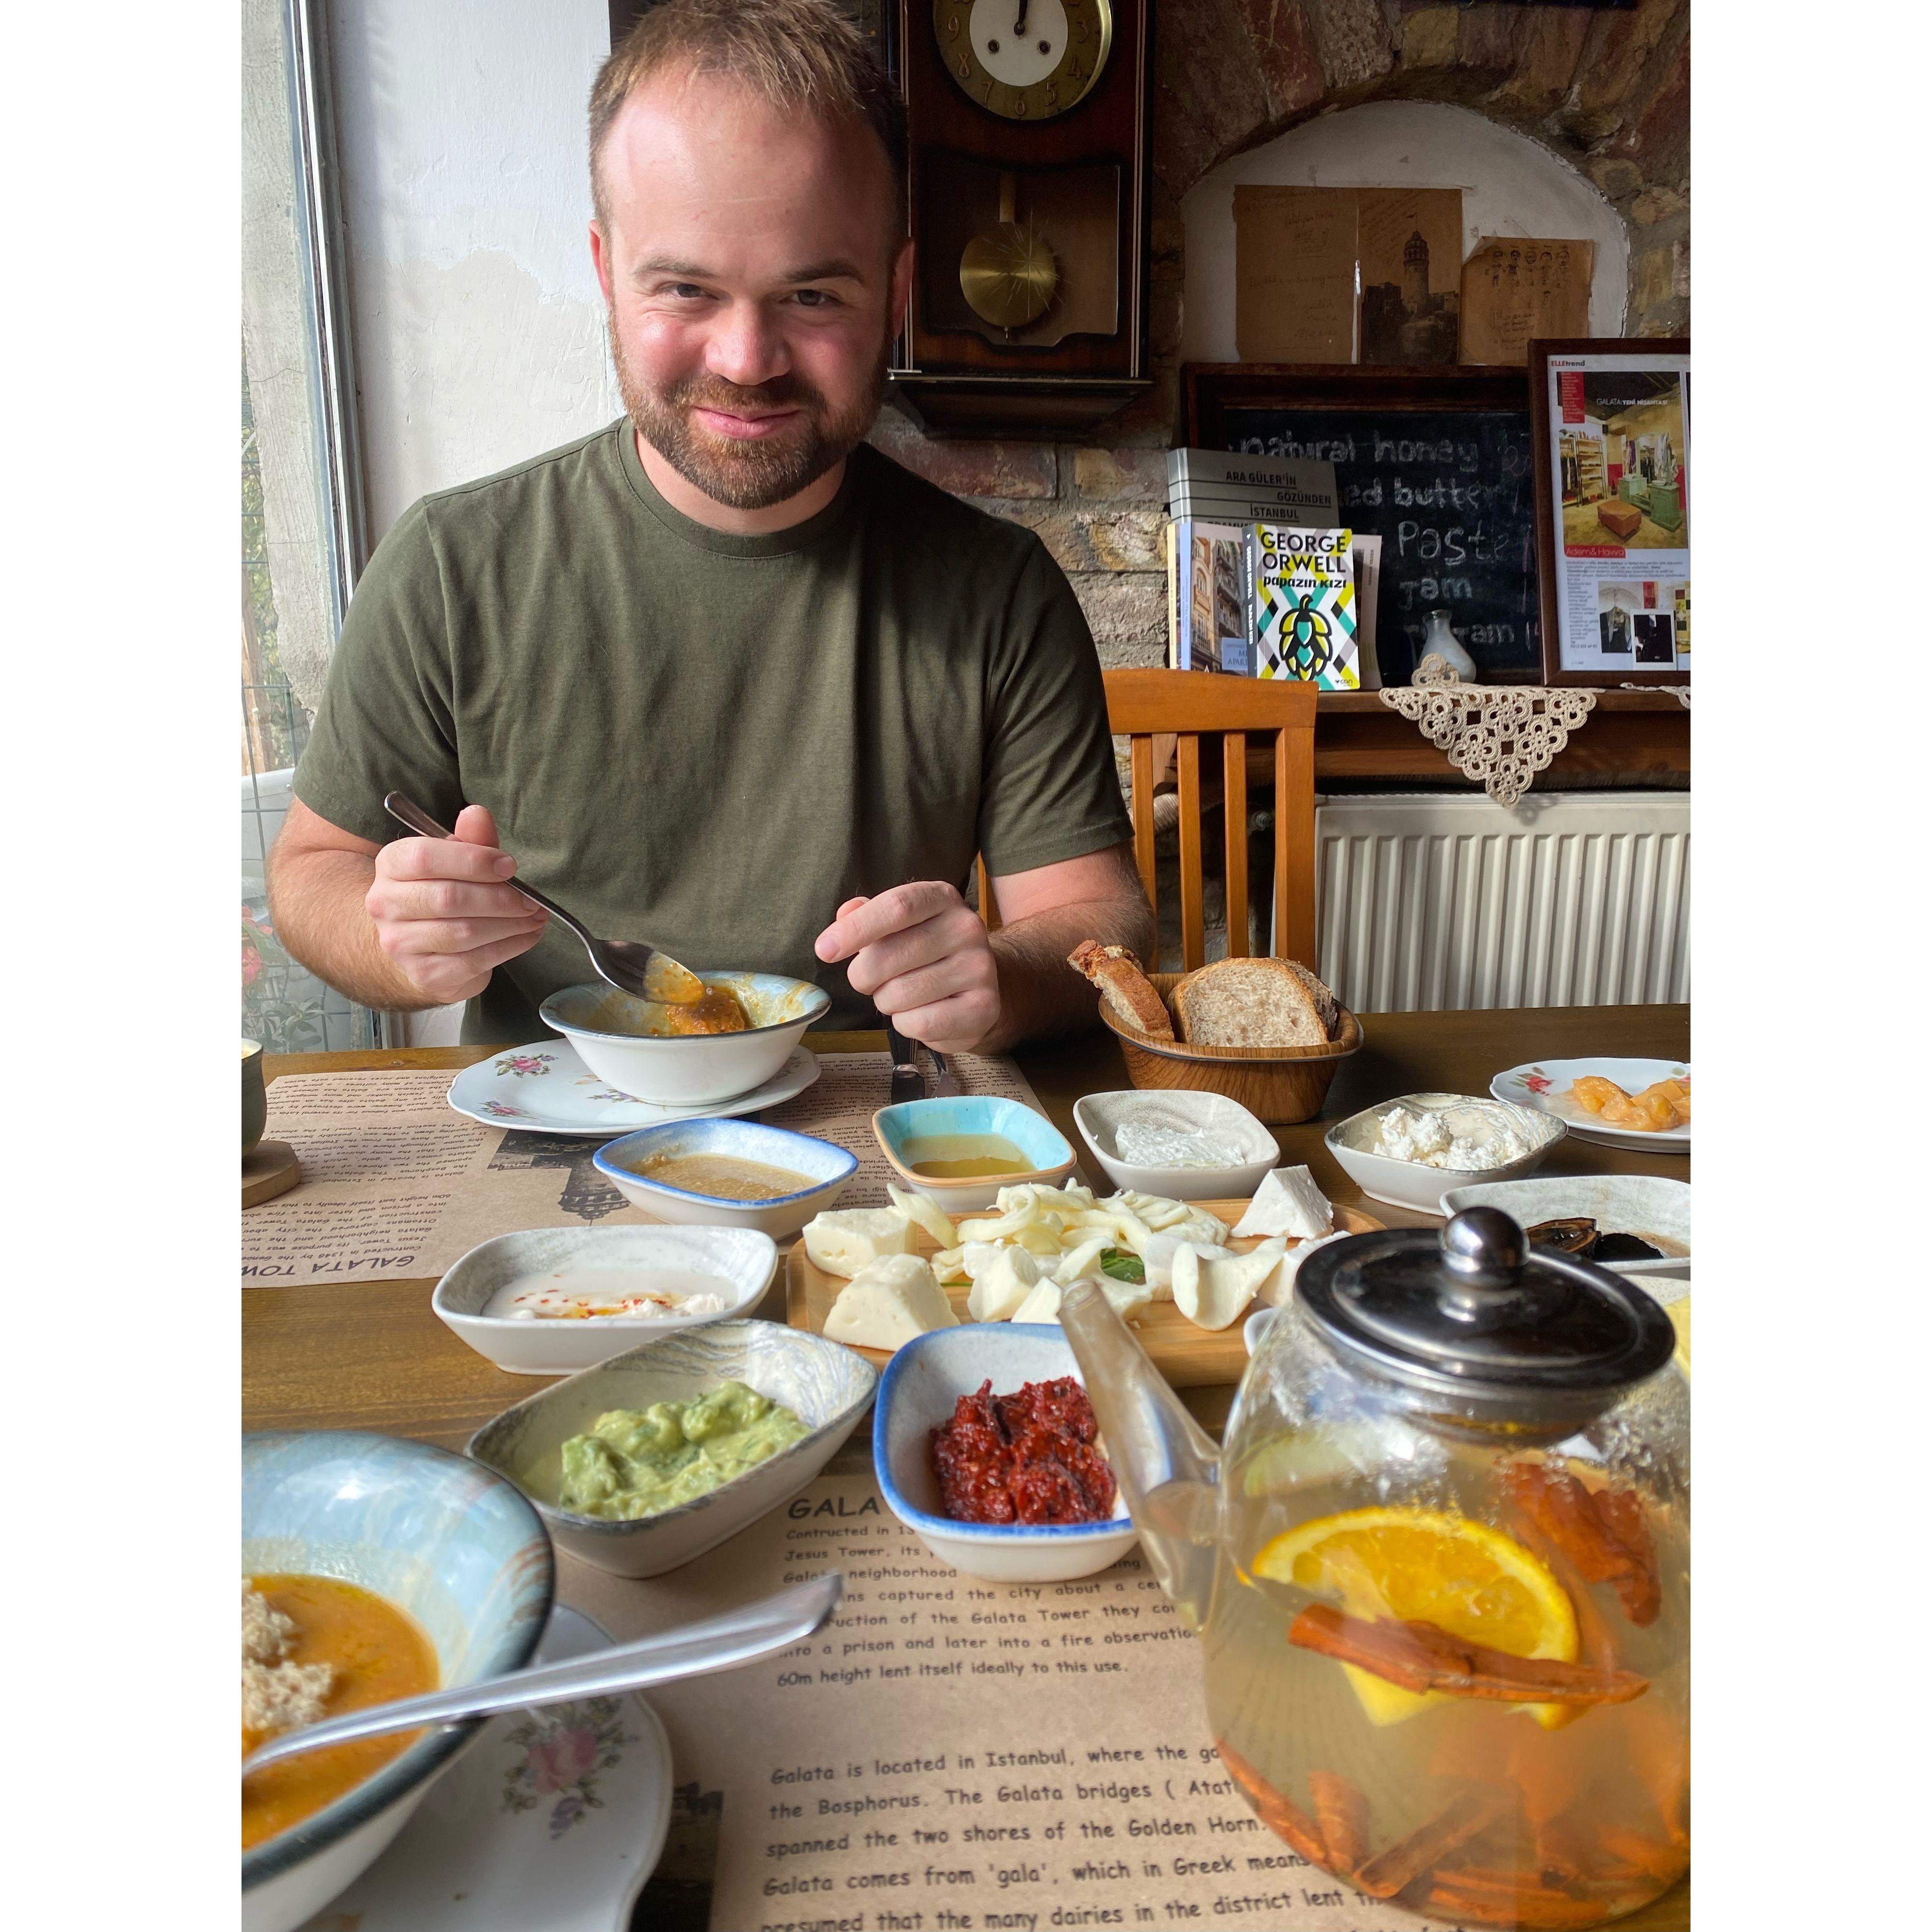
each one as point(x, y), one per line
point(1167, 1466)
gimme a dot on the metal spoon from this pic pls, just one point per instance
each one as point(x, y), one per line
point(632, 965)
point(718, 1643)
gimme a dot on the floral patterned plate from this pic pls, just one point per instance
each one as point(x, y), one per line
point(544, 1088)
point(1544, 1085)
point(553, 1818)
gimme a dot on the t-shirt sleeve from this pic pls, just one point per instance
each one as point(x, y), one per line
point(385, 721)
point(1049, 790)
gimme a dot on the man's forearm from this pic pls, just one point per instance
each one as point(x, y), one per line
point(1041, 995)
point(316, 899)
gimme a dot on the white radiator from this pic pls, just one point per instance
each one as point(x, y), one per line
point(1446, 900)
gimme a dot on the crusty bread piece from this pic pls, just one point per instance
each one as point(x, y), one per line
point(1248, 1002)
point(1326, 1004)
point(1123, 987)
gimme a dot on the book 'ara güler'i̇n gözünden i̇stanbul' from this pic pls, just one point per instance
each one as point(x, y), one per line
point(1260, 583)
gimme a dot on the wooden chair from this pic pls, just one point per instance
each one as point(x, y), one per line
point(1142, 705)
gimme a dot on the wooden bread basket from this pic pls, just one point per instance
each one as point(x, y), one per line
point(1278, 1084)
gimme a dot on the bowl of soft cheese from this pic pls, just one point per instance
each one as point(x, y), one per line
point(1411, 1150)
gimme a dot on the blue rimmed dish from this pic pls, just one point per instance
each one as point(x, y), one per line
point(828, 1168)
point(917, 1392)
point(455, 1546)
point(1042, 1144)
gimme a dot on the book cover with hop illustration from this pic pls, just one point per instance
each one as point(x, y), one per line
point(1302, 605)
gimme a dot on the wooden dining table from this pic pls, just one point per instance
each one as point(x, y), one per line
point(372, 1355)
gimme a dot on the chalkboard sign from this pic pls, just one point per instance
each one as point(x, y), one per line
point(1439, 462)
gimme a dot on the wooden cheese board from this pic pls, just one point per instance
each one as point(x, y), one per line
point(1187, 1355)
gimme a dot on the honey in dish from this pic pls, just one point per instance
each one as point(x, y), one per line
point(724, 1177)
point(379, 1654)
point(962, 1156)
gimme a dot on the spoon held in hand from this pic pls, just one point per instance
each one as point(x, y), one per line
point(632, 966)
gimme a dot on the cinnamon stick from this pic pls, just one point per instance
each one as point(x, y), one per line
point(1287, 1821)
point(1603, 1532)
point(1655, 1859)
point(1523, 1904)
point(1405, 1861)
point(1421, 1656)
point(1341, 1811)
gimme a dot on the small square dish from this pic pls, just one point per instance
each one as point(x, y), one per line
point(730, 1266)
point(1172, 1115)
point(827, 1169)
point(826, 1386)
point(917, 1393)
point(964, 1120)
point(1652, 1207)
point(1356, 1144)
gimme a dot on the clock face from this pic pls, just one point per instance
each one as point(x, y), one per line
point(1024, 60)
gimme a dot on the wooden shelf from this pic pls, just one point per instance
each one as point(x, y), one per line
point(1632, 738)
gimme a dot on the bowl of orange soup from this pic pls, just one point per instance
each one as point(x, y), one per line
point(372, 1568)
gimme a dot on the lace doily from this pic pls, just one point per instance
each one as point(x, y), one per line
point(1682, 692)
point(1502, 734)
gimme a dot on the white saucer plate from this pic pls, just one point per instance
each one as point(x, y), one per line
point(1544, 1085)
point(544, 1088)
point(553, 1818)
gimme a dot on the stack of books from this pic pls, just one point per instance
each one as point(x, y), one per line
point(1263, 580)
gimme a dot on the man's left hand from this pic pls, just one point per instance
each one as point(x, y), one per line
point(924, 959)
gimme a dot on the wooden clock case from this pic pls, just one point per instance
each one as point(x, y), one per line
point(1085, 177)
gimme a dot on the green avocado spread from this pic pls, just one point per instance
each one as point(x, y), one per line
point(637, 1463)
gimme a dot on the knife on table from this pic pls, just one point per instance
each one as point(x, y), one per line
point(907, 1083)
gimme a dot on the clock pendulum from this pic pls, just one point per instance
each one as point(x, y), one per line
point(1007, 273)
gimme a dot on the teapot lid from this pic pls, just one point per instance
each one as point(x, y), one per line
point(1472, 1310)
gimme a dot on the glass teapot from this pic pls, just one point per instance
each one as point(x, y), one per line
point(1441, 1569)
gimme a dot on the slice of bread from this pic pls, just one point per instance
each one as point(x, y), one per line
point(1123, 987)
point(1326, 1003)
point(1250, 1003)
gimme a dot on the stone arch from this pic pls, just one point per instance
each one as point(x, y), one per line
point(1608, 91)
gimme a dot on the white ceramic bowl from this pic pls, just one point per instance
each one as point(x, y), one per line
point(830, 1168)
point(1623, 1203)
point(1408, 1184)
point(1099, 1117)
point(453, 1545)
point(826, 1386)
point(921, 1383)
point(740, 1262)
point(693, 1072)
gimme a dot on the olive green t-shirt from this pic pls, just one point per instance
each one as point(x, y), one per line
point(711, 741)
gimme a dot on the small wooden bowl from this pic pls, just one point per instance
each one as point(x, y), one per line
point(1278, 1084)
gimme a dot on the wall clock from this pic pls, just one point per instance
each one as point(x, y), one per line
point(1028, 183)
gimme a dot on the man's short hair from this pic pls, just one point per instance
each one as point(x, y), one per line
point(796, 54)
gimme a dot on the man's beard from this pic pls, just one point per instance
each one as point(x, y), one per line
point(755, 474)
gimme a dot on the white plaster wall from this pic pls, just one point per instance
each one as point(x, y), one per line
point(479, 328)
point(1510, 186)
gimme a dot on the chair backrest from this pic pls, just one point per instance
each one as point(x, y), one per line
point(1142, 705)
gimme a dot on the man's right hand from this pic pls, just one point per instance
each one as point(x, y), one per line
point(443, 914)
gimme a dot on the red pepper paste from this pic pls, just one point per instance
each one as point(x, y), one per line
point(1023, 1458)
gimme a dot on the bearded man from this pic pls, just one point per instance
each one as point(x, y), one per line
point(722, 676)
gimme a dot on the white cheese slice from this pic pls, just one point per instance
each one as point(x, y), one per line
point(1278, 1291)
point(923, 1211)
point(1288, 1202)
point(848, 1239)
point(1084, 1258)
point(1158, 1260)
point(1129, 1298)
point(998, 1290)
point(1213, 1294)
point(888, 1303)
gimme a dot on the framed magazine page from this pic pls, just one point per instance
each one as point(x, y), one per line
point(1611, 422)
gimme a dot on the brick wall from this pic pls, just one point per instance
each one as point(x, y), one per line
point(1609, 91)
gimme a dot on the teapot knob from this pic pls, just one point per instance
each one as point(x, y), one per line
point(1483, 1248)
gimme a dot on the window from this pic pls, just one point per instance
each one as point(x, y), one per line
point(301, 523)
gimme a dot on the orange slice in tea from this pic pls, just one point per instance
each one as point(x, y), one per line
point(1449, 1570)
